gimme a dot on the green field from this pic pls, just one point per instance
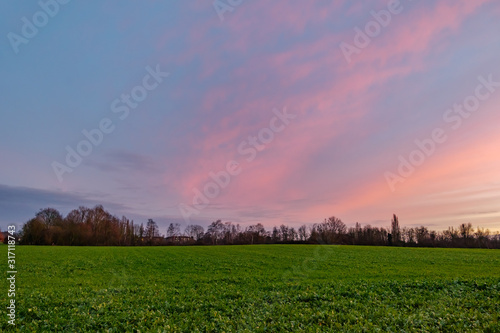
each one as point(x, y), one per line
point(273, 288)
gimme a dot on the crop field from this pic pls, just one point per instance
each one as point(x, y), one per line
point(273, 288)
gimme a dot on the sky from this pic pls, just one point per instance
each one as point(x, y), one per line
point(283, 112)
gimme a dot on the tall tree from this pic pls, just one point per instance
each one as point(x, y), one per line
point(151, 229)
point(174, 229)
point(395, 230)
point(256, 233)
point(216, 231)
point(194, 231)
point(276, 235)
point(49, 216)
point(303, 233)
point(466, 230)
point(333, 230)
point(284, 233)
point(33, 232)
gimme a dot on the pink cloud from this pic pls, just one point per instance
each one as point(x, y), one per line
point(324, 110)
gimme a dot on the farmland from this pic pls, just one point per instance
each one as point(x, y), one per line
point(283, 288)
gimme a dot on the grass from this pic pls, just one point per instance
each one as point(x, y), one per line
point(273, 288)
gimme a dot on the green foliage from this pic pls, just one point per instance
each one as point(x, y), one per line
point(273, 288)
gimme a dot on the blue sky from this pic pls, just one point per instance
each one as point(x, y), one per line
point(354, 116)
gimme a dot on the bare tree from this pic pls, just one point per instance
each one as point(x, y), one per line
point(482, 237)
point(256, 233)
point(395, 230)
point(466, 230)
point(194, 231)
point(174, 229)
point(422, 235)
point(332, 230)
point(292, 234)
point(33, 232)
point(276, 235)
point(49, 216)
point(303, 233)
point(151, 229)
point(216, 231)
point(96, 226)
point(284, 233)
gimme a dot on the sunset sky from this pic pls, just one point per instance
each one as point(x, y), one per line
point(351, 108)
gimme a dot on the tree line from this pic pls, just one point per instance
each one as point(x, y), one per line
point(96, 226)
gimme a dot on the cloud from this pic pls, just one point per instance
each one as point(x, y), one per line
point(19, 204)
point(353, 120)
point(122, 161)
